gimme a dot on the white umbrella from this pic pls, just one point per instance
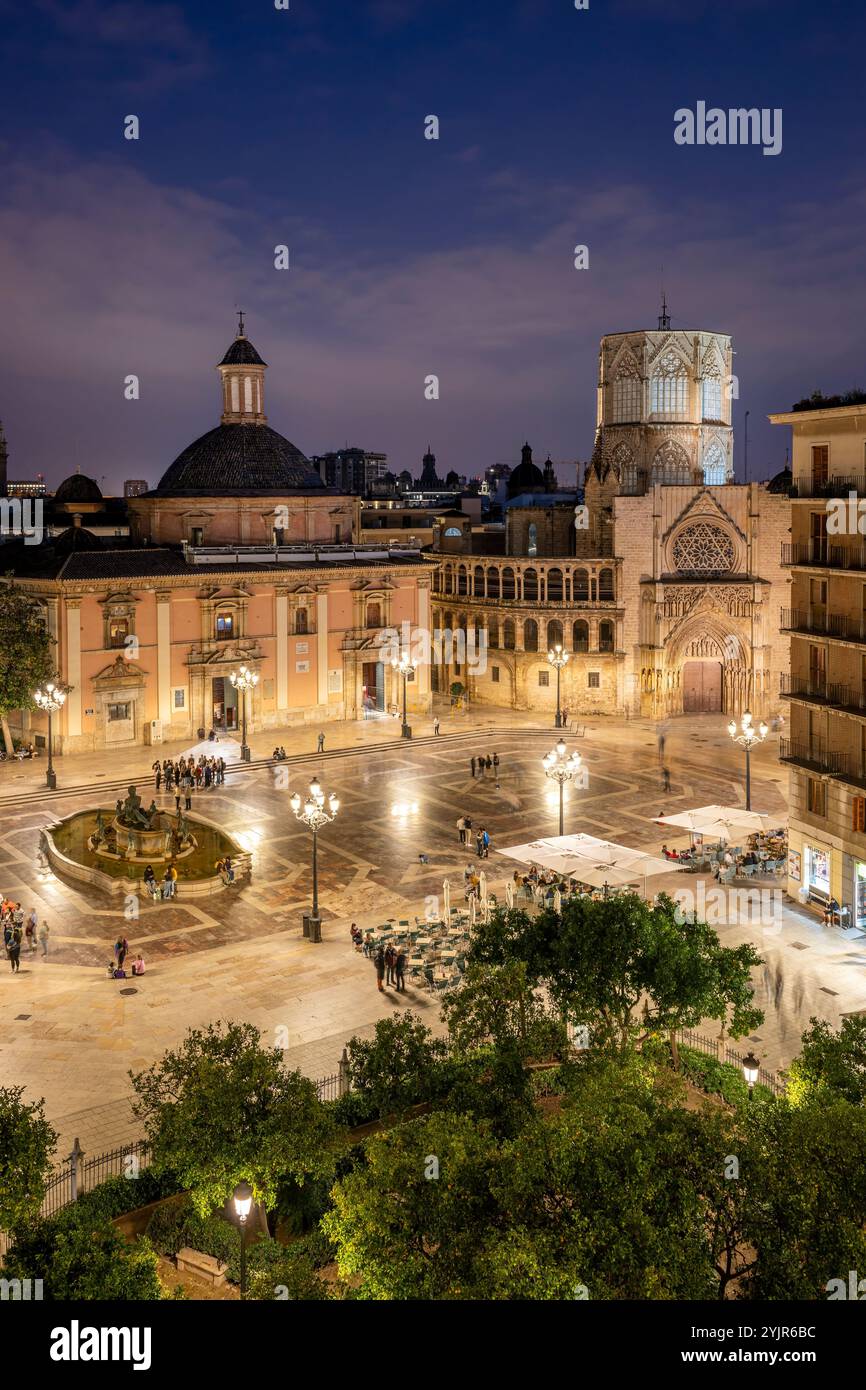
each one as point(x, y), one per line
point(721, 822)
point(509, 893)
point(557, 902)
point(446, 899)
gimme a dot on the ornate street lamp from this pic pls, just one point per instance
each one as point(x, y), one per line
point(558, 658)
point(243, 1200)
point(404, 668)
point(747, 736)
point(751, 1067)
point(244, 680)
point(313, 815)
point(561, 766)
point(51, 699)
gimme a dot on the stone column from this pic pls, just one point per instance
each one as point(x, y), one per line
point(322, 646)
point(422, 676)
point(73, 667)
point(163, 656)
point(282, 621)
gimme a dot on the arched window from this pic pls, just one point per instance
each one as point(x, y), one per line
point(580, 635)
point(605, 636)
point(554, 586)
point(508, 635)
point(581, 586)
point(461, 580)
point(508, 582)
point(530, 586)
point(301, 621)
point(492, 583)
point(671, 464)
point(623, 461)
point(493, 632)
point(605, 584)
point(479, 581)
point(711, 394)
point(554, 633)
point(669, 388)
point(530, 635)
point(225, 627)
point(449, 580)
point(626, 394)
point(374, 615)
point(715, 469)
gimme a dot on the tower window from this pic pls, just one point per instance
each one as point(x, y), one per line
point(669, 387)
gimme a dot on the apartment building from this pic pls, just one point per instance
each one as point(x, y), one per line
point(825, 750)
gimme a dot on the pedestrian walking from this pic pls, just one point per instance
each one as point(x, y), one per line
point(666, 780)
point(30, 930)
point(390, 958)
point(461, 830)
point(472, 765)
point(488, 762)
point(400, 970)
point(15, 955)
point(436, 726)
point(187, 792)
point(485, 844)
point(496, 763)
point(379, 963)
point(157, 775)
point(467, 837)
point(121, 947)
point(321, 744)
point(479, 843)
point(43, 938)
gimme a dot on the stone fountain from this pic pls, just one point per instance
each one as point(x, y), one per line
point(141, 836)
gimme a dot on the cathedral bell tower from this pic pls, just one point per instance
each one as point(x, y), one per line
point(243, 382)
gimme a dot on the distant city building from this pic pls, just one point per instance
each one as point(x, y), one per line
point(353, 471)
point(430, 481)
point(135, 487)
point(26, 488)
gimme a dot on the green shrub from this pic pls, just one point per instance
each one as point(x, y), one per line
point(177, 1224)
point(353, 1109)
point(718, 1078)
point(545, 1083)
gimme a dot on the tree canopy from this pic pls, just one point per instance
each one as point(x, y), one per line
point(222, 1108)
point(27, 1142)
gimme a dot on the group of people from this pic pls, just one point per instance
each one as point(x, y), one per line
point(121, 951)
point(164, 888)
point(188, 775)
point(225, 869)
point(481, 837)
point(279, 755)
point(485, 763)
point(20, 930)
point(389, 961)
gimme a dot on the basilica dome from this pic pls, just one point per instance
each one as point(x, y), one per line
point(236, 458)
point(78, 488)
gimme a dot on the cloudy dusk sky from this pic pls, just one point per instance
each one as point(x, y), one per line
point(409, 257)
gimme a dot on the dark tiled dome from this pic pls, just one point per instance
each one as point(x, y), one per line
point(242, 353)
point(527, 476)
point(78, 488)
point(76, 538)
point(243, 459)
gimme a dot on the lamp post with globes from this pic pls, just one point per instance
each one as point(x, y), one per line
point(313, 815)
point(243, 1200)
point(558, 658)
point(404, 667)
point(244, 680)
point(51, 699)
point(747, 736)
point(561, 766)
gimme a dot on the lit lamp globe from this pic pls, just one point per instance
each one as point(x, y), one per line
point(243, 1200)
point(751, 1067)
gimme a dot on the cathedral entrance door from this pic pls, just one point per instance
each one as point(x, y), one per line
point(702, 687)
point(224, 704)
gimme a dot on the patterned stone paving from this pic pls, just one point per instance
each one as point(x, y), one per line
point(241, 954)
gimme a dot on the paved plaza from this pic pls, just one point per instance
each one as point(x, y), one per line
point(70, 1034)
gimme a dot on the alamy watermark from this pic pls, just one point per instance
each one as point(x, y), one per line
point(22, 517)
point(425, 647)
point(736, 126)
point(718, 906)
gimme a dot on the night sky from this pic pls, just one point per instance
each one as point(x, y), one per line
point(410, 256)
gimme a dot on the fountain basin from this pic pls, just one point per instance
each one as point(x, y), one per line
point(120, 870)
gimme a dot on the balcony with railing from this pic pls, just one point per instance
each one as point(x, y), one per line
point(815, 757)
point(816, 622)
point(829, 487)
point(847, 697)
point(809, 688)
point(822, 554)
